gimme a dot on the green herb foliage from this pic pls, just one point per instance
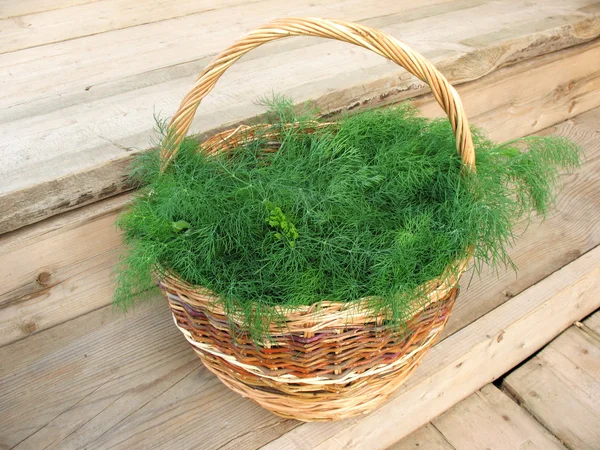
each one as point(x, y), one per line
point(373, 206)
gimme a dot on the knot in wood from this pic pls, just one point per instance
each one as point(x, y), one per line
point(44, 278)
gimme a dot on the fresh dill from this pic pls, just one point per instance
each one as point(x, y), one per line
point(374, 205)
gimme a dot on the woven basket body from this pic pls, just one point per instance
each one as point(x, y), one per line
point(331, 360)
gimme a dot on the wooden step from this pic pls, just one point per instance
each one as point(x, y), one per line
point(425, 438)
point(560, 386)
point(549, 401)
point(81, 80)
point(99, 378)
point(487, 419)
point(108, 380)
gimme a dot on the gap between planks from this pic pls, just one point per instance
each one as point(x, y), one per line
point(12, 9)
point(38, 28)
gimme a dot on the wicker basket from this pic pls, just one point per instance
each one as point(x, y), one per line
point(331, 360)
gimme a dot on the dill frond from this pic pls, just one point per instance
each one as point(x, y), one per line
point(373, 206)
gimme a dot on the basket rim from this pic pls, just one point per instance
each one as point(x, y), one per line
point(314, 316)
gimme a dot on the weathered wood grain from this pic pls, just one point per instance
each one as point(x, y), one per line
point(425, 438)
point(88, 375)
point(522, 92)
point(560, 387)
point(489, 419)
point(466, 361)
point(74, 253)
point(58, 270)
point(582, 348)
point(67, 68)
point(66, 126)
point(87, 366)
point(35, 28)
point(22, 7)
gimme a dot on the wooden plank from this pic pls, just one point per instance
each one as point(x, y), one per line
point(67, 68)
point(466, 361)
point(490, 419)
point(58, 271)
point(36, 28)
point(88, 375)
point(13, 9)
point(425, 438)
point(582, 348)
point(130, 381)
point(593, 322)
point(79, 249)
point(574, 89)
point(561, 394)
point(70, 128)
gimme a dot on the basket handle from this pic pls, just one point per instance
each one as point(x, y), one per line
point(356, 34)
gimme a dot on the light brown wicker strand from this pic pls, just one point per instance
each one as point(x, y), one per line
point(356, 34)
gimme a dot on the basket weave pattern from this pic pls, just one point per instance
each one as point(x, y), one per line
point(334, 373)
point(330, 360)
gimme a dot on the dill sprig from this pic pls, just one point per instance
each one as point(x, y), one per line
point(373, 206)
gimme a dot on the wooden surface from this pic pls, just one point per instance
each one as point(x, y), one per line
point(466, 361)
point(105, 380)
point(592, 325)
point(523, 99)
point(560, 387)
point(80, 95)
point(425, 438)
point(81, 79)
point(489, 419)
point(550, 402)
point(73, 254)
point(59, 272)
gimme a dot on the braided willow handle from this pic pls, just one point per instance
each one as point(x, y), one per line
point(360, 35)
